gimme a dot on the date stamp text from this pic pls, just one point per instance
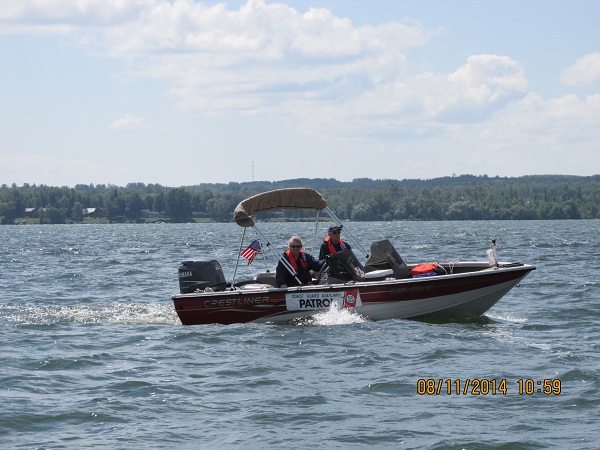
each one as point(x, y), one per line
point(487, 386)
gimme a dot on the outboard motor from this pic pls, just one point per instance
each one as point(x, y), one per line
point(201, 274)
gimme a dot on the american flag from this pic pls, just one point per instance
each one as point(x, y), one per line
point(251, 251)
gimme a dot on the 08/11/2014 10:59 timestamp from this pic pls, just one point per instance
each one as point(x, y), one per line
point(483, 386)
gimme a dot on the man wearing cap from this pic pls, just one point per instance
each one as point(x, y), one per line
point(332, 243)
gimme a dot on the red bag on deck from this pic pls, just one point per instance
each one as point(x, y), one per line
point(427, 270)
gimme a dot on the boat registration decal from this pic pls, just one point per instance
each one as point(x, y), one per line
point(307, 301)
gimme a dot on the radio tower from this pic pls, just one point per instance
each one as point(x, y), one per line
point(253, 171)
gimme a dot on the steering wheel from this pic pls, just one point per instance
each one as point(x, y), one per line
point(321, 272)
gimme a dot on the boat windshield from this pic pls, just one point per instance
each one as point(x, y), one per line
point(385, 256)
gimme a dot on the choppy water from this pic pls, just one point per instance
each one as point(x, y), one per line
point(93, 355)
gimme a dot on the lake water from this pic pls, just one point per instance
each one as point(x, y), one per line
point(93, 355)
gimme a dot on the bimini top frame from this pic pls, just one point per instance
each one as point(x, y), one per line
point(290, 198)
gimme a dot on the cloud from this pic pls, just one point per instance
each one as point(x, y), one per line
point(217, 59)
point(262, 58)
point(585, 71)
point(128, 121)
point(426, 104)
point(473, 91)
point(336, 80)
point(560, 132)
point(268, 58)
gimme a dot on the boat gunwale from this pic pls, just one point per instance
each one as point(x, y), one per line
point(510, 267)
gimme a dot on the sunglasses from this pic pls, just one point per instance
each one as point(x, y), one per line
point(335, 232)
point(295, 246)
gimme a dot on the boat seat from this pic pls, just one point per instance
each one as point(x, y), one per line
point(266, 278)
point(378, 274)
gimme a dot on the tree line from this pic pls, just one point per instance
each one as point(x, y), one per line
point(465, 197)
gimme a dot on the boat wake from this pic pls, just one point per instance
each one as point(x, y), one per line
point(507, 317)
point(119, 313)
point(337, 316)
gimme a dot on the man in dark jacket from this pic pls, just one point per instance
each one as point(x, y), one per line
point(332, 243)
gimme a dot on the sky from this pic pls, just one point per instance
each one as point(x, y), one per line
point(184, 92)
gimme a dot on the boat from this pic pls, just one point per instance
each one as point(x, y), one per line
point(384, 287)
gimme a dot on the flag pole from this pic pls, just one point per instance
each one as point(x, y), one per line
point(237, 262)
point(263, 250)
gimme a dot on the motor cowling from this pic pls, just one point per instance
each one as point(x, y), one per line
point(201, 274)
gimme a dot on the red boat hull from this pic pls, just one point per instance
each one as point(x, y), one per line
point(465, 294)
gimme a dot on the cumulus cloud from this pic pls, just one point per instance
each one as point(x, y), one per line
point(561, 129)
point(586, 70)
point(261, 57)
point(249, 60)
point(476, 89)
point(128, 121)
point(330, 74)
point(423, 105)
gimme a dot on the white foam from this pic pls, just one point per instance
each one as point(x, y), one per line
point(338, 316)
point(507, 317)
point(123, 313)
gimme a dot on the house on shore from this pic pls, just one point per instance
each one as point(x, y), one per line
point(96, 213)
point(33, 213)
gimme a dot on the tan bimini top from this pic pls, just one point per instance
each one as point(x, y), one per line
point(292, 198)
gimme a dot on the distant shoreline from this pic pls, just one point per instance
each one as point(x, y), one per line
point(465, 197)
